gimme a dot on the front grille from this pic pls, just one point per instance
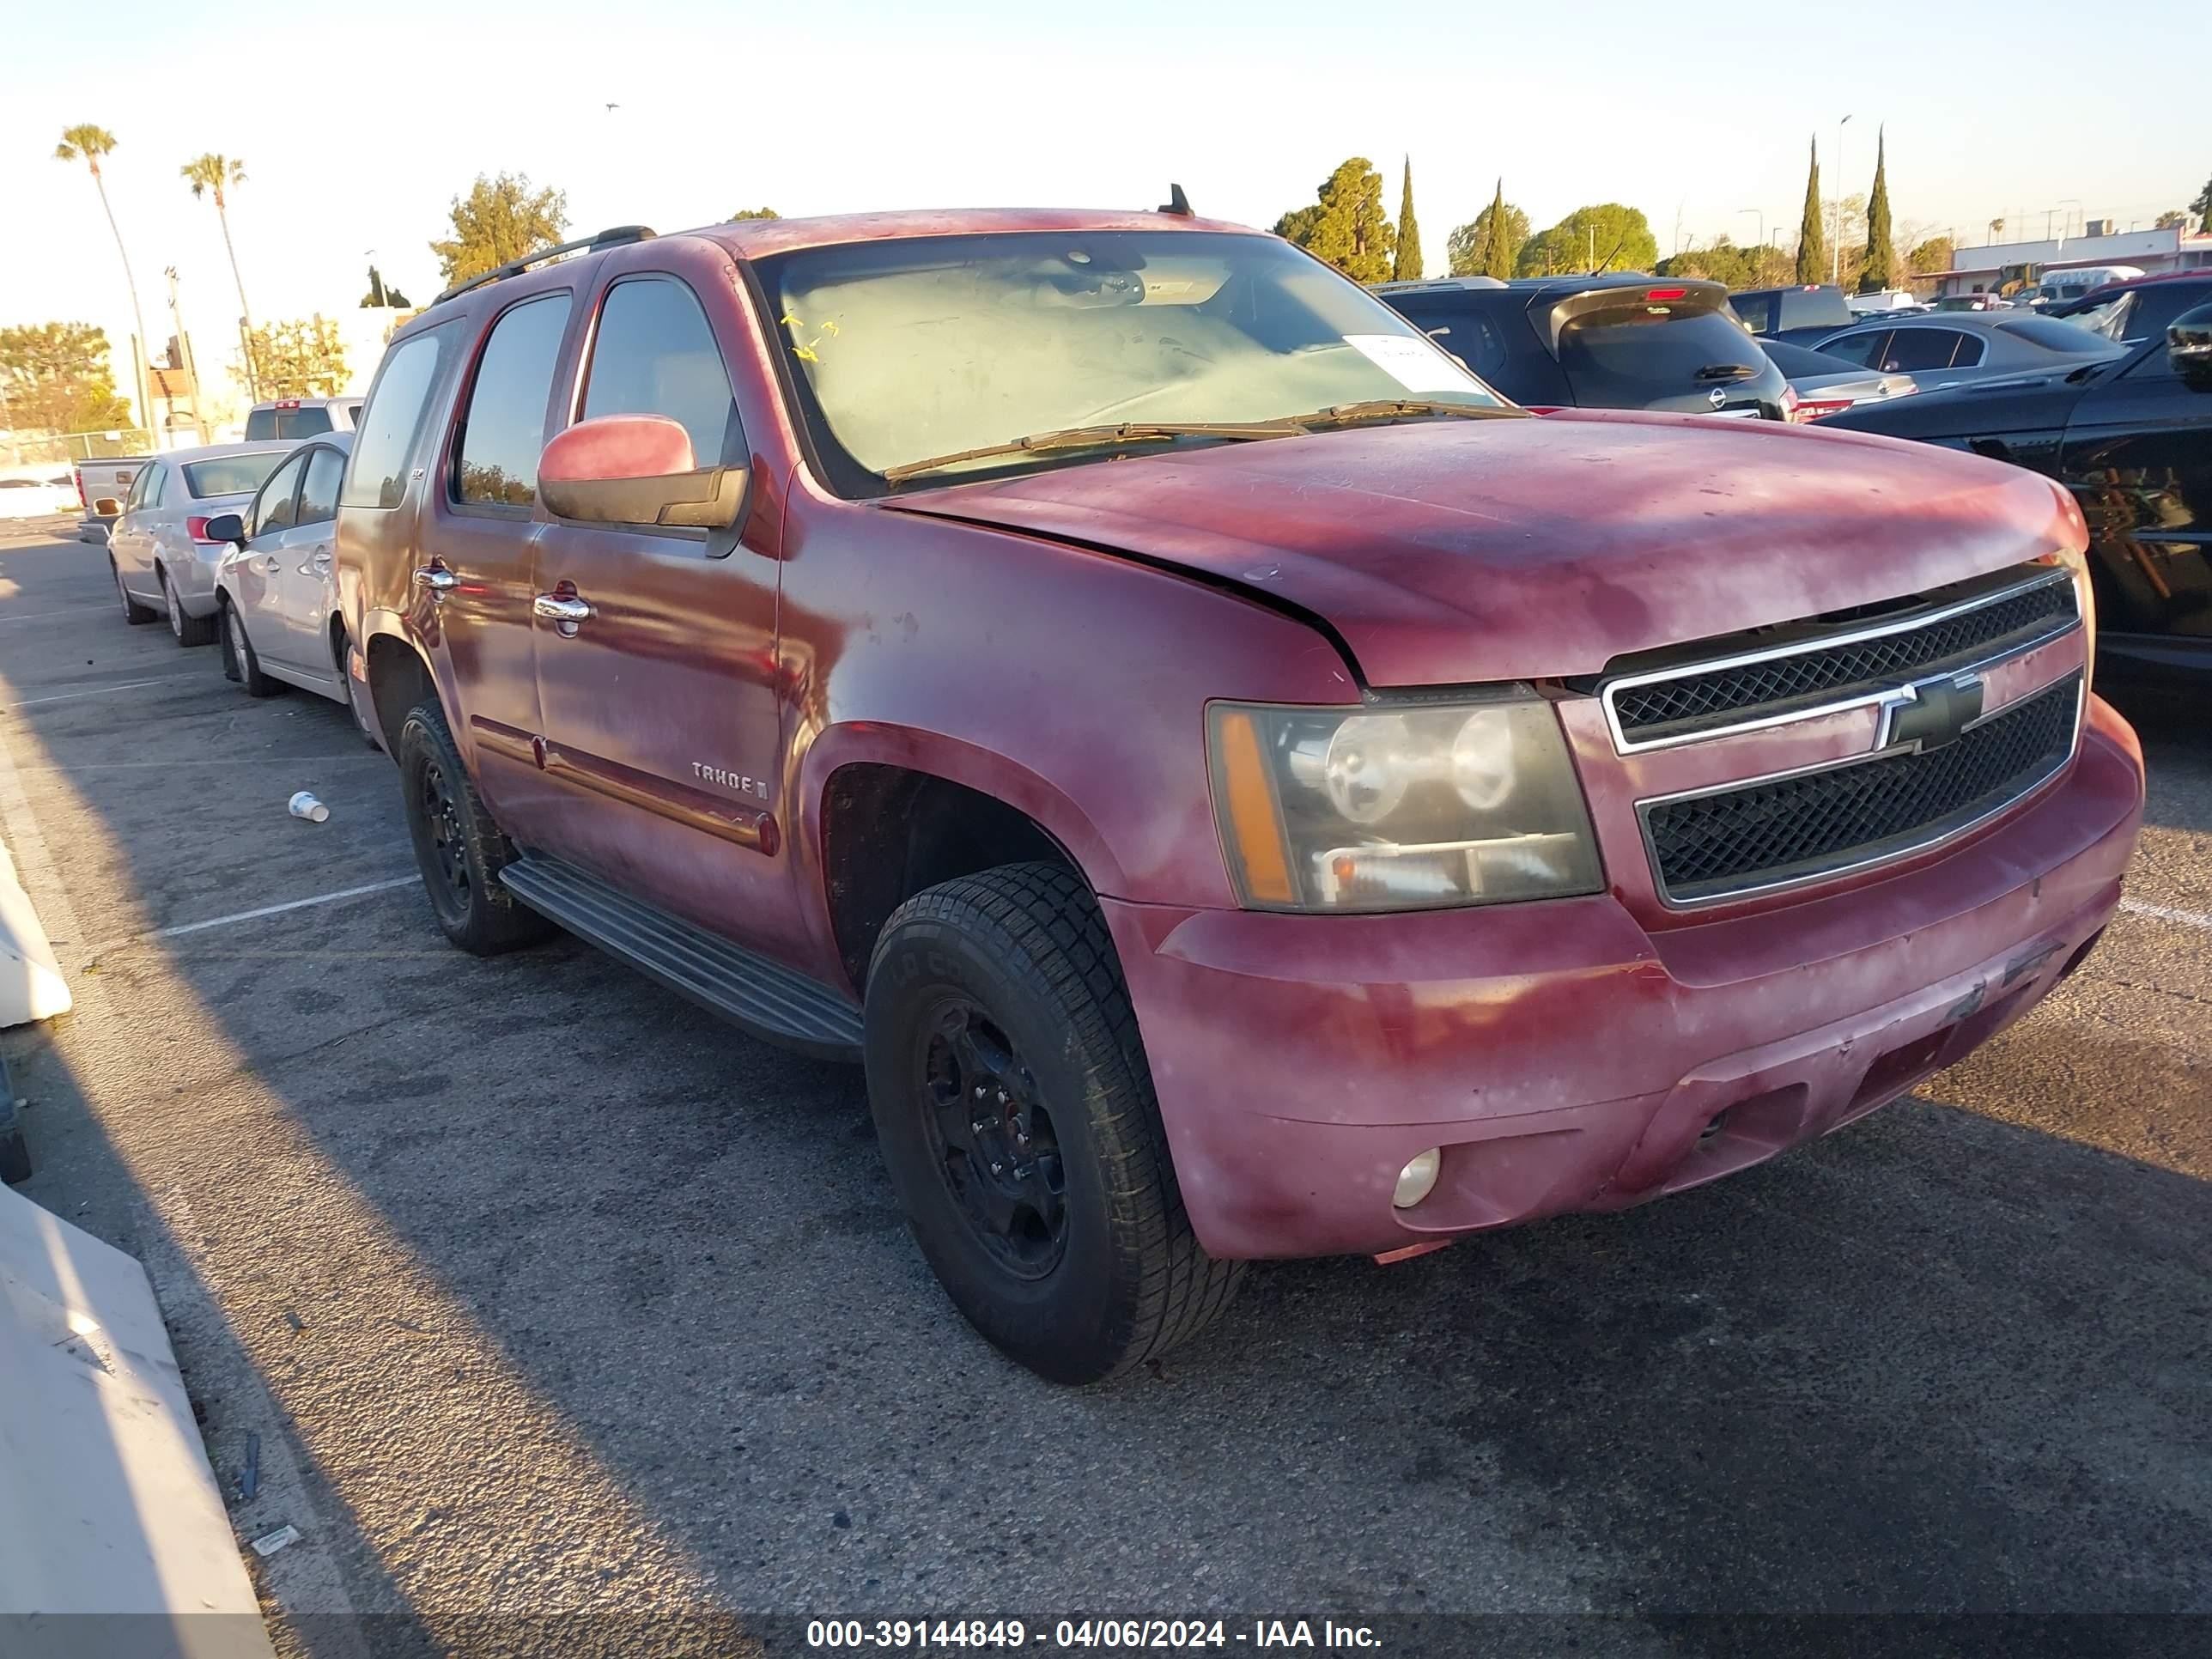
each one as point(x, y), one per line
point(1797, 829)
point(1700, 701)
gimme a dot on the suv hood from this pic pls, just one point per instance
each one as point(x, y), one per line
point(1448, 551)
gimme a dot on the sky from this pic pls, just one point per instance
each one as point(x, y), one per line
point(359, 124)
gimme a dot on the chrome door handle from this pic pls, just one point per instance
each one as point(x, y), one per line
point(567, 613)
point(436, 580)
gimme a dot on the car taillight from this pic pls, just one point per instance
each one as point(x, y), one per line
point(1813, 408)
point(1657, 293)
point(197, 528)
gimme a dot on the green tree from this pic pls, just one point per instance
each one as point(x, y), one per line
point(1883, 268)
point(381, 293)
point(1471, 249)
point(2202, 207)
point(1345, 226)
point(302, 359)
point(754, 213)
point(1930, 258)
point(1724, 262)
point(89, 144)
point(55, 378)
point(214, 173)
point(1408, 266)
point(1605, 236)
point(2171, 217)
point(500, 220)
point(1812, 242)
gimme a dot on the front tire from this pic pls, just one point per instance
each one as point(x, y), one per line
point(458, 847)
point(133, 613)
point(238, 662)
point(1016, 1113)
point(190, 630)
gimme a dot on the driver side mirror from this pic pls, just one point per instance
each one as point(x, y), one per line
point(2189, 347)
point(636, 470)
point(227, 527)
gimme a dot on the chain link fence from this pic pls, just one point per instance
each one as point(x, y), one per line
point(19, 450)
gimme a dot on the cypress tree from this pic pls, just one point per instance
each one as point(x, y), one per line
point(1881, 267)
point(1408, 266)
point(1498, 255)
point(1811, 244)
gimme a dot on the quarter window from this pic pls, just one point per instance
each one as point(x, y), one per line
point(392, 420)
point(655, 355)
point(504, 428)
point(318, 498)
point(1917, 349)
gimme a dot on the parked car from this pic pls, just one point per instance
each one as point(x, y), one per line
point(2131, 437)
point(301, 418)
point(101, 486)
point(1614, 342)
point(1950, 303)
point(2137, 310)
point(1795, 314)
point(160, 551)
point(1885, 302)
point(1221, 770)
point(37, 498)
point(276, 593)
point(1824, 385)
point(1951, 350)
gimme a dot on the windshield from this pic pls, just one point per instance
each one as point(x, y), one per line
point(231, 475)
point(909, 349)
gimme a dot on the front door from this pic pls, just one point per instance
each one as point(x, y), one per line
point(2138, 457)
point(659, 706)
point(130, 542)
point(257, 576)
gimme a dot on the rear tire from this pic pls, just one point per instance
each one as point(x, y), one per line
point(458, 847)
point(189, 630)
point(1016, 1115)
point(133, 613)
point(238, 662)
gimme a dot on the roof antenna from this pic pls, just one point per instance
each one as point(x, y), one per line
point(1177, 203)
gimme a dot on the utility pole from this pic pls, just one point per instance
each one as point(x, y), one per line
point(185, 349)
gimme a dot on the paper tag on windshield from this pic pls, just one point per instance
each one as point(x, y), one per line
point(1414, 364)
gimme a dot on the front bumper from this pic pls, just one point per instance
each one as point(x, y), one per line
point(1566, 1059)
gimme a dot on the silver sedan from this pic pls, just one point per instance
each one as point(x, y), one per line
point(159, 550)
point(276, 597)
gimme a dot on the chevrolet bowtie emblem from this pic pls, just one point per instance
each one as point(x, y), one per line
point(1931, 712)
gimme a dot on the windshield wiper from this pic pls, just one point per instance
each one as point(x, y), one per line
point(1085, 437)
point(1395, 408)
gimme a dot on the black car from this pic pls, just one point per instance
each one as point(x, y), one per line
point(2131, 438)
point(1612, 342)
point(1798, 314)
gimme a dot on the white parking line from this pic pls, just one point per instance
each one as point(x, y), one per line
point(43, 616)
point(127, 685)
point(2167, 913)
point(279, 909)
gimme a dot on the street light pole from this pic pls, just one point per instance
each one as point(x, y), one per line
point(1836, 244)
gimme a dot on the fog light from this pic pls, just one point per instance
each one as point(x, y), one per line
point(1418, 1179)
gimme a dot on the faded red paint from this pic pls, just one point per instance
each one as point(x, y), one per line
point(1052, 641)
point(616, 447)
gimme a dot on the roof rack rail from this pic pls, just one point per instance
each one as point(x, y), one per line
point(615, 236)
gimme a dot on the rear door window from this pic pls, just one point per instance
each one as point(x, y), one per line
point(1756, 311)
point(655, 355)
point(1914, 350)
point(392, 420)
point(318, 494)
point(303, 422)
point(503, 428)
point(1460, 328)
point(1864, 350)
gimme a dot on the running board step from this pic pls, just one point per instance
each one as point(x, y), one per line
point(763, 997)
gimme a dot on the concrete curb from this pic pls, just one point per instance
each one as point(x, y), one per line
point(30, 982)
point(114, 1538)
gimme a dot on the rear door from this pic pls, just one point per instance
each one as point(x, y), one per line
point(304, 579)
point(131, 541)
point(1492, 339)
point(479, 532)
point(2138, 457)
point(662, 725)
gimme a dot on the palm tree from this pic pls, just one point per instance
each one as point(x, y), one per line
point(211, 173)
point(87, 143)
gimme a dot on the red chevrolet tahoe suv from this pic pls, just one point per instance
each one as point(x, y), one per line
point(1240, 787)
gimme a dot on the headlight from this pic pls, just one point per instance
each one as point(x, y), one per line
point(1468, 802)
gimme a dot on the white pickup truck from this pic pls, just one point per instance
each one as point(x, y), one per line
point(101, 485)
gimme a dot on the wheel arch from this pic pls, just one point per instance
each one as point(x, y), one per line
point(399, 677)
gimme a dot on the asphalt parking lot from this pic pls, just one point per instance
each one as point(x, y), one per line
point(545, 1293)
